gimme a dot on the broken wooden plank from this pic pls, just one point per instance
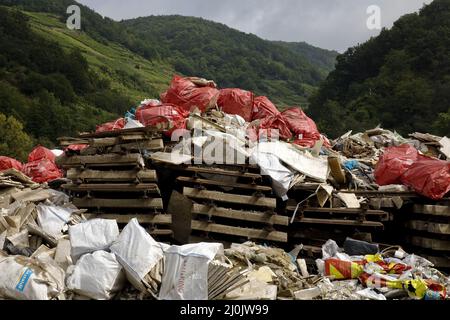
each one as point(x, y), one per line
point(180, 209)
point(138, 146)
point(164, 219)
point(340, 222)
point(237, 231)
point(432, 227)
point(103, 159)
point(118, 203)
point(109, 187)
point(38, 231)
point(240, 215)
point(143, 175)
point(145, 131)
point(253, 187)
point(432, 210)
point(223, 172)
point(230, 198)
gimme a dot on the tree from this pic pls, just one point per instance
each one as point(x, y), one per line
point(14, 142)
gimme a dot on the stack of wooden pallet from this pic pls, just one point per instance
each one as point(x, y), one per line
point(428, 231)
point(231, 203)
point(112, 179)
point(313, 224)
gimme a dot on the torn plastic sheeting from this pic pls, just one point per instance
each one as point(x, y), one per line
point(316, 168)
point(428, 177)
point(236, 101)
point(25, 278)
point(137, 251)
point(186, 271)
point(53, 218)
point(97, 275)
point(131, 124)
point(9, 163)
point(270, 165)
point(370, 294)
point(234, 147)
point(92, 235)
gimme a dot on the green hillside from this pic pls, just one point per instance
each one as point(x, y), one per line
point(400, 79)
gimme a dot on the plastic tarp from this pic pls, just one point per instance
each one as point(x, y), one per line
point(236, 101)
point(280, 175)
point(76, 147)
point(111, 126)
point(9, 163)
point(52, 218)
point(137, 252)
point(97, 275)
point(41, 153)
point(92, 235)
point(24, 278)
point(41, 171)
point(189, 93)
point(304, 128)
point(428, 177)
point(186, 272)
point(393, 164)
point(174, 116)
point(263, 108)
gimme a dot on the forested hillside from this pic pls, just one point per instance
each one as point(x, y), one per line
point(400, 79)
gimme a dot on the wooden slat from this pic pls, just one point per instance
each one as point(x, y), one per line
point(151, 145)
point(161, 232)
point(439, 262)
point(253, 187)
point(164, 219)
point(340, 222)
point(223, 172)
point(104, 159)
point(236, 231)
point(340, 210)
point(116, 187)
point(147, 131)
point(230, 198)
point(240, 215)
point(118, 203)
point(112, 176)
point(428, 243)
point(432, 227)
point(432, 210)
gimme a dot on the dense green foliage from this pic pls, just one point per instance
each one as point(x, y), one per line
point(400, 79)
point(45, 87)
point(232, 58)
point(14, 142)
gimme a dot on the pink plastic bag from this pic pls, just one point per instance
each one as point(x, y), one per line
point(172, 116)
point(304, 128)
point(263, 108)
point(111, 126)
point(9, 163)
point(40, 153)
point(41, 171)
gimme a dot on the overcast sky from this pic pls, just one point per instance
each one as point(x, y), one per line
point(330, 24)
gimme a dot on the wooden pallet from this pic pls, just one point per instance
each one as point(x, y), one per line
point(102, 160)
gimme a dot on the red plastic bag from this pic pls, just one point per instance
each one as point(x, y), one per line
point(263, 108)
point(304, 128)
point(173, 116)
point(42, 171)
point(428, 177)
point(236, 101)
point(269, 128)
point(40, 153)
point(9, 163)
point(111, 126)
point(189, 93)
point(394, 163)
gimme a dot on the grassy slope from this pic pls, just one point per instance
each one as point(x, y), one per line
point(129, 73)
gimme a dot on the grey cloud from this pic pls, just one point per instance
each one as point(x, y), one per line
point(330, 24)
